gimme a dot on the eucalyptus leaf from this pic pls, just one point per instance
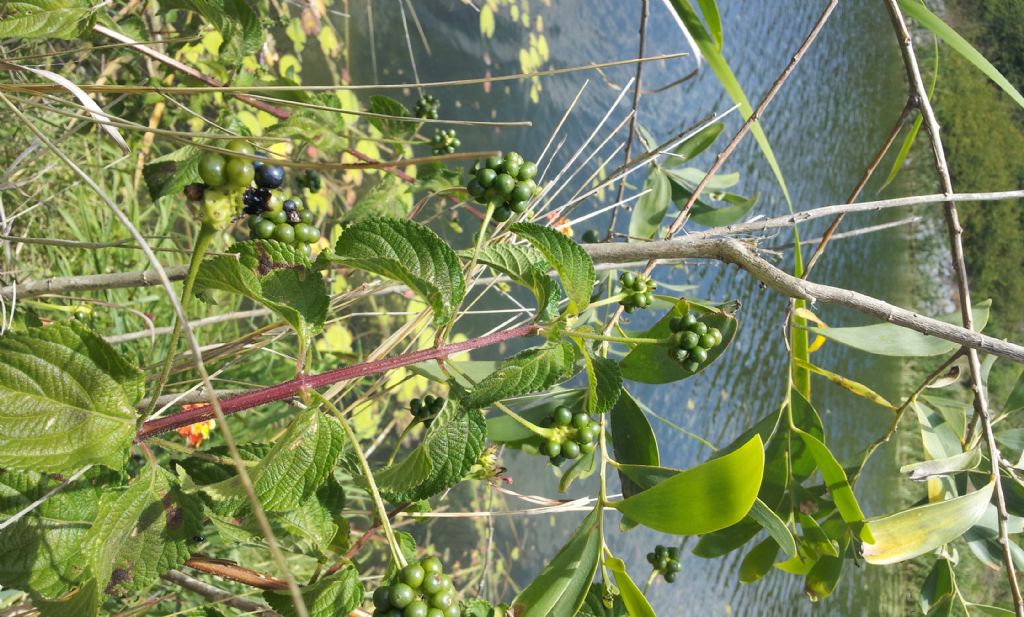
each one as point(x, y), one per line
point(758, 561)
point(702, 499)
point(907, 534)
point(560, 589)
point(633, 440)
point(650, 209)
point(836, 482)
point(698, 143)
point(965, 461)
point(632, 597)
point(888, 339)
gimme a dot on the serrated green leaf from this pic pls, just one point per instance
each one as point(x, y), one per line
point(533, 370)
point(916, 531)
point(41, 552)
point(886, 339)
point(84, 601)
point(526, 266)
point(960, 45)
point(294, 469)
point(604, 380)
point(632, 597)
point(651, 207)
point(407, 252)
point(273, 274)
point(314, 519)
point(448, 450)
point(68, 400)
point(170, 173)
point(142, 532)
point(705, 498)
point(435, 178)
point(391, 127)
point(40, 19)
point(559, 590)
point(651, 364)
point(573, 264)
point(387, 198)
point(337, 594)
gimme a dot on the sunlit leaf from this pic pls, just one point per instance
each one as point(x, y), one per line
point(337, 594)
point(632, 597)
point(533, 370)
point(573, 264)
point(711, 496)
point(837, 484)
point(758, 561)
point(916, 531)
point(698, 143)
point(943, 466)
point(650, 209)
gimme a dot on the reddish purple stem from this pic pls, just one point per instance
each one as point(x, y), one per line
point(288, 389)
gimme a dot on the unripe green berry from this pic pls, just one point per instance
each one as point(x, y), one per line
point(700, 328)
point(412, 575)
point(689, 340)
point(527, 170)
point(284, 233)
point(580, 420)
point(401, 595)
point(486, 177)
point(562, 416)
point(570, 449)
point(504, 183)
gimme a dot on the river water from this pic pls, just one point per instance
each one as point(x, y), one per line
point(825, 125)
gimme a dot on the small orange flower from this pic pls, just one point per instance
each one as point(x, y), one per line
point(196, 434)
point(559, 223)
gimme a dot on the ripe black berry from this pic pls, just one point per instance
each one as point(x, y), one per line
point(269, 176)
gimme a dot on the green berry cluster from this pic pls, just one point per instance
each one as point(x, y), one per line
point(666, 561)
point(445, 142)
point(224, 177)
point(691, 340)
point(285, 222)
point(427, 107)
point(576, 433)
point(504, 182)
point(421, 590)
point(427, 408)
point(639, 291)
point(591, 236)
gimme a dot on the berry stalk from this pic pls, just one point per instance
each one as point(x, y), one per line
point(292, 387)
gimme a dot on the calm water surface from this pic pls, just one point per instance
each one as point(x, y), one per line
point(825, 125)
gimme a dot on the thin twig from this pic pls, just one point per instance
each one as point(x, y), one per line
point(644, 11)
point(218, 595)
point(920, 96)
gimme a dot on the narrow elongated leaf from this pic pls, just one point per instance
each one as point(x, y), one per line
point(775, 526)
point(708, 497)
point(559, 590)
point(502, 428)
point(533, 370)
point(142, 532)
point(274, 274)
point(690, 177)
point(837, 483)
point(940, 583)
point(705, 215)
point(709, 8)
point(700, 142)
point(943, 466)
point(822, 579)
point(960, 45)
point(633, 440)
point(916, 531)
point(337, 594)
point(632, 597)
point(712, 53)
point(408, 252)
point(651, 208)
point(448, 450)
point(294, 468)
point(848, 384)
point(42, 551)
point(573, 264)
point(527, 267)
point(888, 339)
point(651, 363)
point(67, 399)
point(985, 609)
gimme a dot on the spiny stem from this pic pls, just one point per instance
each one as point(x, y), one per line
point(293, 387)
point(378, 503)
point(203, 240)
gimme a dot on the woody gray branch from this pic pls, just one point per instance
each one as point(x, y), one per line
point(742, 254)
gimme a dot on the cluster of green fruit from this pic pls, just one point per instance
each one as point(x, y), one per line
point(420, 590)
point(427, 107)
point(638, 290)
point(289, 224)
point(503, 182)
point(427, 408)
point(666, 561)
point(310, 179)
point(575, 434)
point(445, 142)
point(691, 340)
